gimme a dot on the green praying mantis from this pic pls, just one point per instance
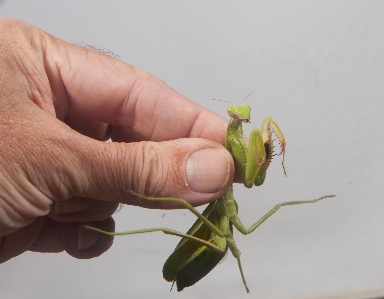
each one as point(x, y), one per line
point(207, 241)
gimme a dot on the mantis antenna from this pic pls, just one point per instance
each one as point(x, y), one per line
point(242, 103)
point(247, 97)
point(223, 101)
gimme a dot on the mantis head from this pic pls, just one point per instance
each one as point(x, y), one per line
point(241, 113)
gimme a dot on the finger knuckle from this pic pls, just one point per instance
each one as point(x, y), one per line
point(149, 169)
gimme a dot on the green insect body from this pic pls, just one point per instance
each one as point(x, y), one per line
point(191, 261)
point(207, 241)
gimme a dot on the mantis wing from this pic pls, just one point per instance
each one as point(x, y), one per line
point(191, 260)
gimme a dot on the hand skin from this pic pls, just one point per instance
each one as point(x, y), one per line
point(59, 103)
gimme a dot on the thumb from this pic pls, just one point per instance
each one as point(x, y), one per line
point(193, 169)
point(44, 161)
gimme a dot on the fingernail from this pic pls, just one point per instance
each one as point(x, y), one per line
point(86, 238)
point(207, 170)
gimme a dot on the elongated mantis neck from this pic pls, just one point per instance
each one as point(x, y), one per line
point(235, 124)
point(235, 128)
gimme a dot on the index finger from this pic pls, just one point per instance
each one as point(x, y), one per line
point(110, 91)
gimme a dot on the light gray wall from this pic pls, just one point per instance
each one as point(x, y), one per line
point(317, 69)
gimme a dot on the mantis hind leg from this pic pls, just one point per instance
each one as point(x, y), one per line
point(183, 202)
point(168, 231)
point(165, 230)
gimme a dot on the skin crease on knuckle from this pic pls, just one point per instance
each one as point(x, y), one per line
point(148, 168)
point(22, 199)
point(25, 160)
point(155, 167)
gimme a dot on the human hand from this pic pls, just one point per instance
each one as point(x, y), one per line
point(59, 104)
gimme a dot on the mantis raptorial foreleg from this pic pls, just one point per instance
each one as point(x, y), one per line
point(252, 160)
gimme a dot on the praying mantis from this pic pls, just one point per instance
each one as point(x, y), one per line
point(207, 241)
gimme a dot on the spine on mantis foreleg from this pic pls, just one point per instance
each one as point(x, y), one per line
point(267, 128)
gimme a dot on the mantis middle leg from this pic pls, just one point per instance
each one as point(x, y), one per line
point(240, 227)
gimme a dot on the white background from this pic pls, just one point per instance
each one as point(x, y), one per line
point(318, 70)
